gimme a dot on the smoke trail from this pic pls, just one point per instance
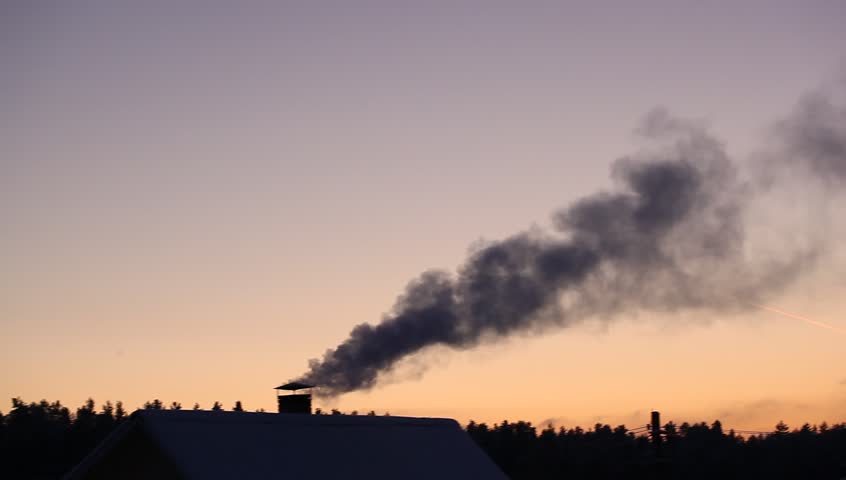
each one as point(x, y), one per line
point(814, 135)
point(671, 235)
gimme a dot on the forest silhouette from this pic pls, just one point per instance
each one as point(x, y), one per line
point(43, 440)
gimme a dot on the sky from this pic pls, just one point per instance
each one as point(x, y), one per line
point(196, 198)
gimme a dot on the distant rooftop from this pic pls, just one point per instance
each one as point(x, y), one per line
point(194, 445)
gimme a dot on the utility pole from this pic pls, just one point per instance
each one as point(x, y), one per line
point(655, 433)
point(661, 467)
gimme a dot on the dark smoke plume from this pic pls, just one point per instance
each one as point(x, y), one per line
point(671, 235)
point(814, 135)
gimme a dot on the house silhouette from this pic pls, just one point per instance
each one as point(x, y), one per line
point(176, 444)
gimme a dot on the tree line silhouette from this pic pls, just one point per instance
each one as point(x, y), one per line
point(43, 440)
point(687, 451)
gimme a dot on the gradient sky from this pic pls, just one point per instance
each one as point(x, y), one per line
point(197, 197)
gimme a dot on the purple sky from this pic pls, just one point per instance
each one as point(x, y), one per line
point(199, 189)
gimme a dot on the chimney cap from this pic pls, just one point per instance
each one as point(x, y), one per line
point(294, 386)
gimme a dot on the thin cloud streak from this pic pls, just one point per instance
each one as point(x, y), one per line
point(807, 320)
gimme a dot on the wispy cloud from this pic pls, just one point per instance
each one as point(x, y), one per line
point(631, 420)
point(758, 413)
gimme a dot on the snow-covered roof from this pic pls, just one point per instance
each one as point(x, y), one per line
point(217, 445)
